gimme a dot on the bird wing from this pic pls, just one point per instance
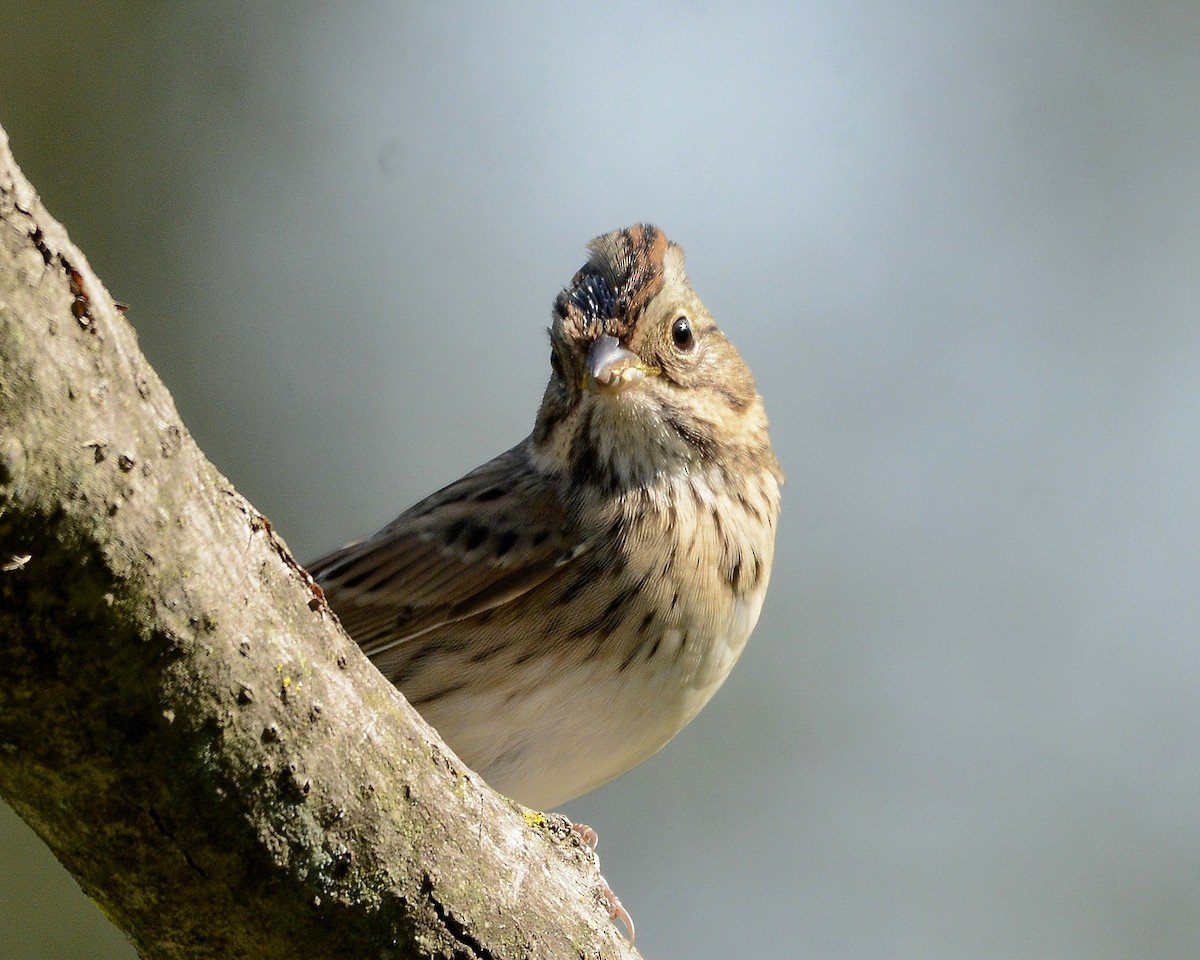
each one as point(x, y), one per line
point(474, 545)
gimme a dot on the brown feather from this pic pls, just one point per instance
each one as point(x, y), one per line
point(414, 575)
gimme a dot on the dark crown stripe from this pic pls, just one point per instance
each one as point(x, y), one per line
point(646, 248)
point(622, 275)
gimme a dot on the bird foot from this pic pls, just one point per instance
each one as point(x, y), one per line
point(616, 910)
point(590, 838)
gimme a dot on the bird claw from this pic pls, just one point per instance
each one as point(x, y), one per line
point(616, 910)
point(590, 838)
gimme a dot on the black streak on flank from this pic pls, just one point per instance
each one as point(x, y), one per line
point(608, 621)
point(629, 658)
point(735, 574)
point(745, 503)
point(756, 575)
point(718, 526)
point(574, 589)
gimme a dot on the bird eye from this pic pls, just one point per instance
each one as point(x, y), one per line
point(681, 334)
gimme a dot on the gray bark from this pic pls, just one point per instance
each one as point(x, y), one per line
point(181, 718)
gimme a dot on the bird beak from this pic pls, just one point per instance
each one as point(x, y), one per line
point(611, 368)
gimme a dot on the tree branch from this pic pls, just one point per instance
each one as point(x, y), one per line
point(181, 718)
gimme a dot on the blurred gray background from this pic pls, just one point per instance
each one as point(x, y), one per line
point(958, 244)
